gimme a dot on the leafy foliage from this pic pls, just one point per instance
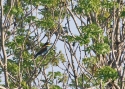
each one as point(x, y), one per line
point(27, 24)
point(105, 73)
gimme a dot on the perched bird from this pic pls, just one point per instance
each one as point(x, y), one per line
point(43, 50)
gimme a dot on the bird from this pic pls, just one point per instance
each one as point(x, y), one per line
point(43, 50)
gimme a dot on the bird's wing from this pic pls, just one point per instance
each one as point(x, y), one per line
point(40, 52)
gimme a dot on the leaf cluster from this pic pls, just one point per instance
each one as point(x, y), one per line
point(91, 33)
point(105, 73)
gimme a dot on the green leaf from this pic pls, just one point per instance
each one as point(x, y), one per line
point(55, 87)
point(69, 38)
point(20, 39)
point(18, 11)
point(101, 48)
point(14, 10)
point(90, 60)
point(123, 14)
point(30, 18)
point(105, 73)
point(12, 67)
point(55, 74)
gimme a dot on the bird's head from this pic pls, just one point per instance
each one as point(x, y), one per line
point(47, 44)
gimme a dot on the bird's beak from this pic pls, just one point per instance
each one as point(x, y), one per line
point(49, 45)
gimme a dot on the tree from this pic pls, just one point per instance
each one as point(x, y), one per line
point(91, 31)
